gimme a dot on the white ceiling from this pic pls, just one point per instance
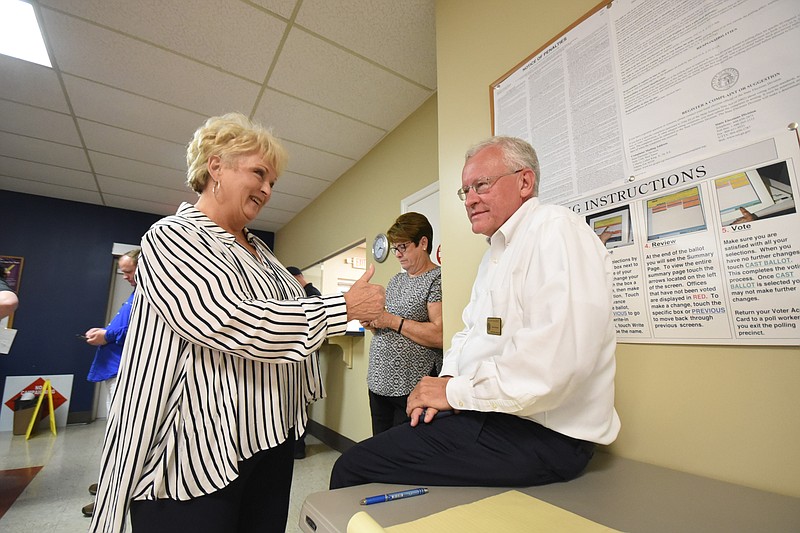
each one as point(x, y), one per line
point(133, 79)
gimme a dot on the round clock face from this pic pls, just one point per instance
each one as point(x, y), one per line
point(380, 248)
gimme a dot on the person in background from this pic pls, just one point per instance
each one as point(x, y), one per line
point(109, 342)
point(527, 387)
point(407, 338)
point(311, 290)
point(218, 365)
point(8, 298)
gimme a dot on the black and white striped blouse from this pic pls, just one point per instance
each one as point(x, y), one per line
point(215, 368)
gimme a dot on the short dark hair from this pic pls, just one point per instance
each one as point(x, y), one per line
point(294, 271)
point(411, 227)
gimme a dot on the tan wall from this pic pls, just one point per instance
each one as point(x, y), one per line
point(362, 203)
point(724, 412)
point(729, 413)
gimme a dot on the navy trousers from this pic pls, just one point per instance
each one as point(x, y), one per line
point(465, 449)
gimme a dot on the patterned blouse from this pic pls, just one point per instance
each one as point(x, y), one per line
point(396, 363)
point(215, 368)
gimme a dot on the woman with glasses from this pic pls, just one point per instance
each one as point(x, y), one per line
point(407, 337)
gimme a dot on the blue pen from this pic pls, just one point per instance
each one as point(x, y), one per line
point(380, 498)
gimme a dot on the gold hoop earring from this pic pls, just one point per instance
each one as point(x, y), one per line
point(216, 188)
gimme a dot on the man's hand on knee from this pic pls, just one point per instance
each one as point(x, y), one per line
point(427, 399)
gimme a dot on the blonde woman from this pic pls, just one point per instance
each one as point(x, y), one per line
point(217, 368)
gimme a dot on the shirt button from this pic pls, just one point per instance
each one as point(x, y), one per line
point(461, 404)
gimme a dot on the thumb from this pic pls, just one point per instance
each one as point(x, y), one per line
point(368, 274)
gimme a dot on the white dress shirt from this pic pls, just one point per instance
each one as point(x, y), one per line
point(215, 368)
point(547, 278)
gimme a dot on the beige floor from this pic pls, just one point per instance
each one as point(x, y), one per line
point(53, 499)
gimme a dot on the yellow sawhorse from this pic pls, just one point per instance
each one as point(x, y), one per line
point(47, 389)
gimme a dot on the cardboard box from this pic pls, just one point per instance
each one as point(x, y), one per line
point(22, 417)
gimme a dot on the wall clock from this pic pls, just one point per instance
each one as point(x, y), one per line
point(380, 247)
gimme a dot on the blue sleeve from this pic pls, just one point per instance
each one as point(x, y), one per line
point(117, 329)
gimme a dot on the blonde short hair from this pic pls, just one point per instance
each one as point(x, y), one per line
point(229, 136)
point(133, 255)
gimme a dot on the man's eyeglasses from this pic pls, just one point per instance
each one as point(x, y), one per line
point(400, 247)
point(482, 185)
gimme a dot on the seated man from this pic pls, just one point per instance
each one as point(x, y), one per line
point(529, 381)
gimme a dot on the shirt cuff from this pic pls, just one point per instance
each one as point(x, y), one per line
point(336, 310)
point(461, 395)
point(458, 392)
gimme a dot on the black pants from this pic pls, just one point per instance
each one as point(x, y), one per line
point(470, 448)
point(258, 500)
point(387, 411)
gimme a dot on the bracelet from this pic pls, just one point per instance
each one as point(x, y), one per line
point(400, 327)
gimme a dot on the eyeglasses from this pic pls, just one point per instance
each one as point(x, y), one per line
point(400, 247)
point(482, 185)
